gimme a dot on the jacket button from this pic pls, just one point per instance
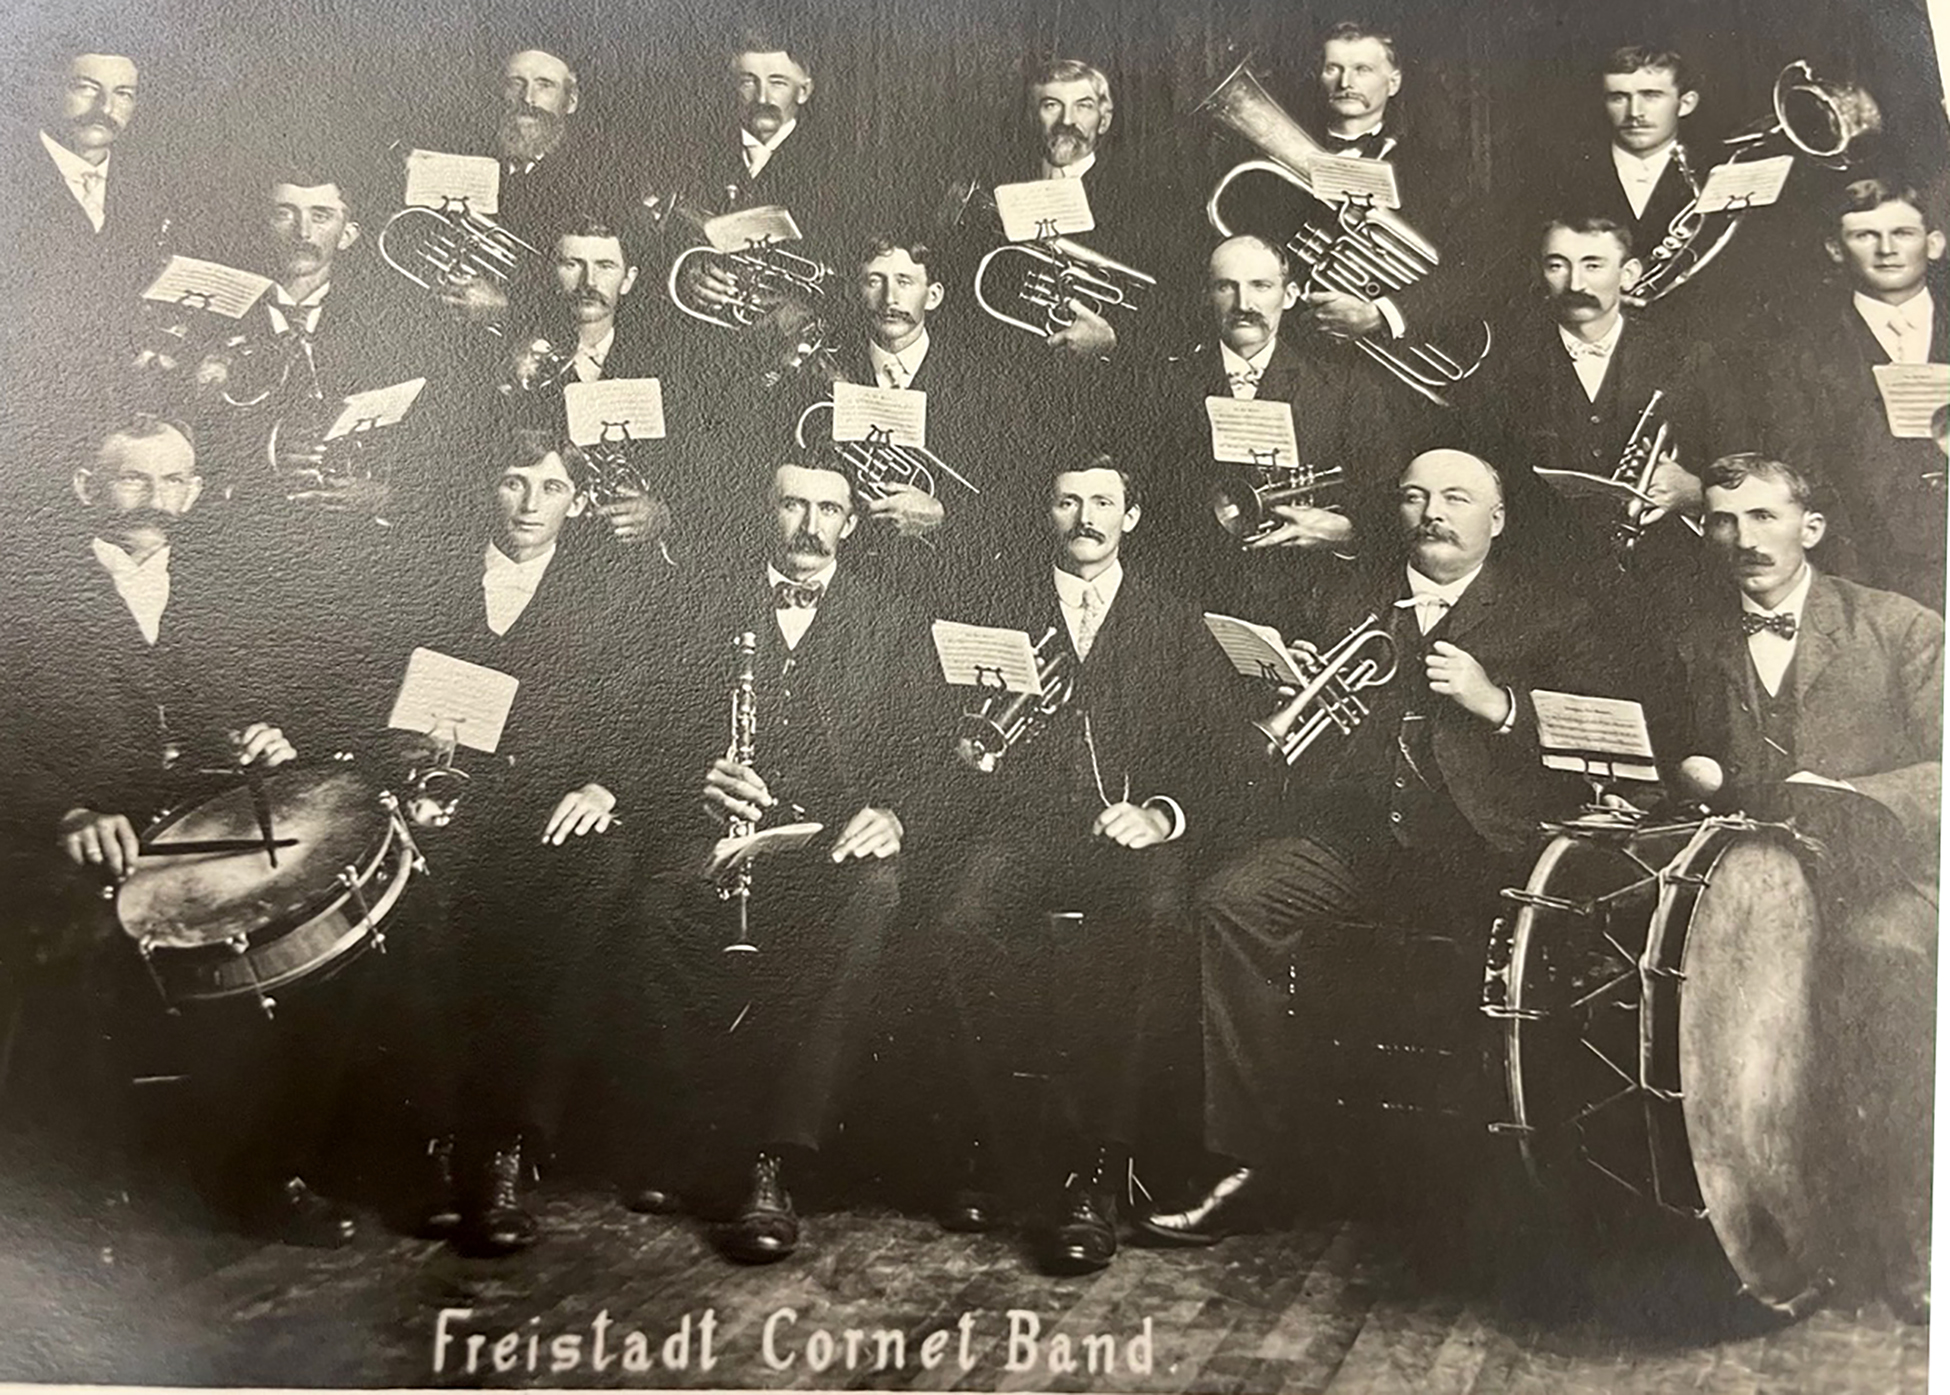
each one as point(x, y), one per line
point(1394, 816)
point(1596, 419)
point(1400, 783)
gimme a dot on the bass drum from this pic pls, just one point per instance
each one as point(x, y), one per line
point(224, 925)
point(1666, 1002)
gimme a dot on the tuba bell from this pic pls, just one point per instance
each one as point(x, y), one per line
point(1028, 285)
point(1353, 247)
point(435, 248)
point(1246, 511)
point(879, 466)
point(1331, 698)
point(988, 732)
point(1812, 117)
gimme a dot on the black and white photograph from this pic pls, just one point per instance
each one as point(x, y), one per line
point(1213, 696)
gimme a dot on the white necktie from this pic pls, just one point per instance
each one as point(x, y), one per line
point(1429, 609)
point(89, 187)
point(1093, 616)
point(891, 375)
point(1912, 341)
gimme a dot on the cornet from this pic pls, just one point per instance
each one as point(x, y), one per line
point(1247, 512)
point(1037, 280)
point(1812, 117)
point(436, 248)
point(1354, 247)
point(1002, 720)
point(1650, 439)
point(1331, 698)
point(879, 467)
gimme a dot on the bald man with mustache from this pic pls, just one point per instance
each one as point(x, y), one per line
point(1418, 817)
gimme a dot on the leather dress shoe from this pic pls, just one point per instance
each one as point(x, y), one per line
point(1236, 1204)
point(766, 1228)
point(493, 1220)
point(650, 1199)
point(439, 1217)
point(1085, 1238)
point(971, 1211)
point(297, 1215)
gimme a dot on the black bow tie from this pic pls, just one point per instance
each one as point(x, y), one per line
point(1782, 624)
point(791, 595)
point(1368, 147)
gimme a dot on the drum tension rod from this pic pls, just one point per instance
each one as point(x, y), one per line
point(146, 948)
point(240, 946)
point(349, 879)
point(391, 803)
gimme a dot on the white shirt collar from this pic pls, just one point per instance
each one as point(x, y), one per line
point(1793, 603)
point(771, 143)
point(1070, 587)
point(143, 586)
point(1235, 364)
point(1608, 341)
point(908, 360)
point(821, 578)
point(71, 165)
point(1336, 138)
point(501, 569)
point(1076, 169)
point(1450, 591)
point(281, 307)
point(121, 566)
point(1916, 316)
point(1650, 166)
point(599, 351)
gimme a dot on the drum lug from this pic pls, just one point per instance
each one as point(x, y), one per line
point(1545, 902)
point(1509, 1014)
point(238, 944)
point(1496, 975)
point(1505, 1128)
point(349, 879)
point(267, 1005)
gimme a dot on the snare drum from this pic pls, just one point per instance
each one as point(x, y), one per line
point(214, 926)
point(1654, 997)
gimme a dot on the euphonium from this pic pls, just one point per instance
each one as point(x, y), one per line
point(1331, 698)
point(1353, 247)
point(743, 749)
point(1812, 117)
point(439, 247)
point(766, 274)
point(879, 467)
point(985, 735)
point(1247, 513)
point(1053, 271)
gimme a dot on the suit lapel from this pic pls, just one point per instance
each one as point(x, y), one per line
point(1472, 610)
point(1821, 624)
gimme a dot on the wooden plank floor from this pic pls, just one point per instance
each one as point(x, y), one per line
point(1327, 1306)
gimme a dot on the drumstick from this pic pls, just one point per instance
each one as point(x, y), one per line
point(212, 845)
point(261, 805)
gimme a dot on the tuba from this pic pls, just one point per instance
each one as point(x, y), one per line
point(1331, 698)
point(1353, 247)
point(1247, 513)
point(1812, 117)
point(1028, 285)
point(439, 247)
point(879, 467)
point(1002, 720)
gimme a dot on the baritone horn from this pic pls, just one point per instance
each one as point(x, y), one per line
point(1246, 510)
point(1002, 720)
point(436, 248)
point(1028, 285)
point(881, 466)
point(1812, 116)
point(1352, 246)
point(1331, 698)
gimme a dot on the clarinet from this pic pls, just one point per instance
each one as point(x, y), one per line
point(743, 750)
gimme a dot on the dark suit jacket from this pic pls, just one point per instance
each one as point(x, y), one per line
point(1867, 689)
point(1825, 415)
point(1526, 636)
point(805, 175)
point(1341, 418)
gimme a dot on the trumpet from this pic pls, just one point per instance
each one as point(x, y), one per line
point(1811, 117)
point(1003, 720)
point(1355, 248)
point(879, 466)
point(1331, 700)
point(1644, 448)
point(743, 749)
point(1057, 270)
point(435, 248)
point(1247, 513)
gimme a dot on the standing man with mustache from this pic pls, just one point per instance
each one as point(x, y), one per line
point(83, 223)
point(1417, 818)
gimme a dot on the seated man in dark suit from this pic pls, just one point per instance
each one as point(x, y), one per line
point(1825, 411)
point(740, 1059)
point(1100, 813)
point(1428, 808)
point(500, 989)
point(1340, 418)
point(139, 662)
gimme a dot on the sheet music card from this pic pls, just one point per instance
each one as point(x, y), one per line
point(368, 411)
point(1252, 433)
point(442, 691)
point(1748, 184)
point(1043, 208)
point(212, 286)
point(980, 656)
point(898, 416)
point(749, 227)
point(1369, 181)
point(614, 409)
point(434, 178)
point(1912, 395)
point(1602, 737)
point(1256, 651)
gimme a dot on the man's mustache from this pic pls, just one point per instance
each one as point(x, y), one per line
point(1245, 317)
point(529, 109)
point(1082, 530)
point(1583, 299)
point(1434, 532)
point(771, 109)
point(802, 541)
point(894, 312)
point(1063, 130)
point(1747, 557)
point(97, 118)
point(1348, 94)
